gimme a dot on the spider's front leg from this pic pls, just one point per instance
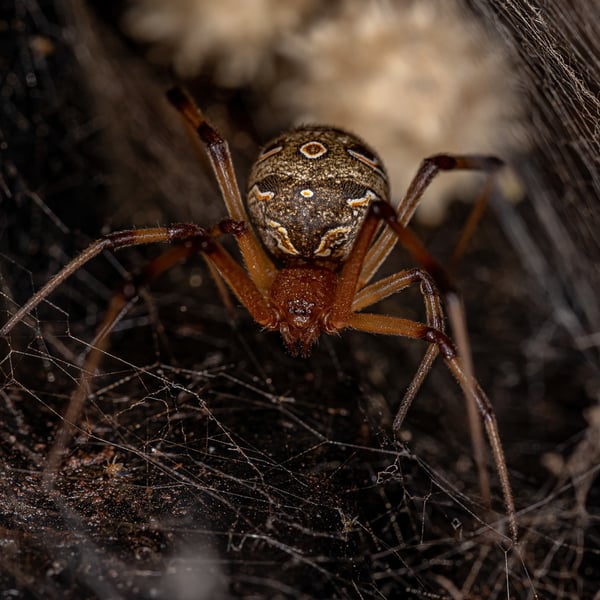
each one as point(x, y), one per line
point(112, 241)
point(191, 240)
point(260, 267)
point(387, 325)
point(435, 319)
point(344, 314)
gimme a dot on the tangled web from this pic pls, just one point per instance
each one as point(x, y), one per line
point(208, 464)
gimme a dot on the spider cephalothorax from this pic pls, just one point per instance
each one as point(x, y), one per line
point(302, 298)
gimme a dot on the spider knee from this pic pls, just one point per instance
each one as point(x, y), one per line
point(194, 234)
point(182, 232)
point(230, 226)
point(384, 210)
point(442, 341)
point(443, 162)
point(426, 283)
point(194, 237)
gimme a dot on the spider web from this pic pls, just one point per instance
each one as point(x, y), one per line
point(208, 463)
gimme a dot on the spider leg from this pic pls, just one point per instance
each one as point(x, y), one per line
point(456, 314)
point(429, 168)
point(71, 417)
point(194, 240)
point(197, 240)
point(435, 319)
point(113, 241)
point(260, 267)
point(383, 245)
point(343, 309)
point(387, 325)
point(470, 225)
point(115, 310)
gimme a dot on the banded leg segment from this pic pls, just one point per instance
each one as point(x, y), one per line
point(262, 270)
point(344, 307)
point(430, 167)
point(456, 314)
point(435, 319)
point(387, 325)
point(113, 241)
point(194, 240)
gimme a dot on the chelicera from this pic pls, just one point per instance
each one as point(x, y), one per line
point(318, 199)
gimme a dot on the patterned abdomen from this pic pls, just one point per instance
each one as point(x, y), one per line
point(309, 191)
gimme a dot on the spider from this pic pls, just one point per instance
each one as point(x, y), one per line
point(318, 198)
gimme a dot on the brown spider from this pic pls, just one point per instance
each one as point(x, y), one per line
point(317, 197)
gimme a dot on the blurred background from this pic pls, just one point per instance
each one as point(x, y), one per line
point(210, 464)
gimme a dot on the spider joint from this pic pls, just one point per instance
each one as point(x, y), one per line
point(441, 340)
point(443, 162)
point(129, 290)
point(384, 211)
point(184, 232)
point(230, 226)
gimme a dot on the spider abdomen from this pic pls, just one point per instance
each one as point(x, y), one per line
point(309, 192)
